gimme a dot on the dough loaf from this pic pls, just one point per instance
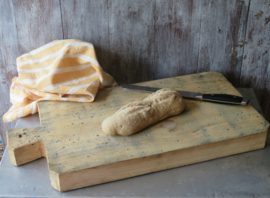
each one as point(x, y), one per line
point(136, 116)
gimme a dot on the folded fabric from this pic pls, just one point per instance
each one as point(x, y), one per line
point(64, 70)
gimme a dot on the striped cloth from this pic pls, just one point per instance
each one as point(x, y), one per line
point(64, 70)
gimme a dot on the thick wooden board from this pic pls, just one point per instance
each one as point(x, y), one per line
point(80, 154)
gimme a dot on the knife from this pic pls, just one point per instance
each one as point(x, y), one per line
point(220, 98)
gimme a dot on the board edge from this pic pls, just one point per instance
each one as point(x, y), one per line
point(154, 163)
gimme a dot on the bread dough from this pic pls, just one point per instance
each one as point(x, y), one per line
point(136, 116)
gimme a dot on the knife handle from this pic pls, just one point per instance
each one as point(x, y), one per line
point(225, 98)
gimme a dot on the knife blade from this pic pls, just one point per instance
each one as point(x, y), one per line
point(220, 98)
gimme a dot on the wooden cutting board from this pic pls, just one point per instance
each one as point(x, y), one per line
point(80, 154)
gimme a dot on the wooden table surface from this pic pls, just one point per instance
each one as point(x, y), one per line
point(80, 154)
point(234, 176)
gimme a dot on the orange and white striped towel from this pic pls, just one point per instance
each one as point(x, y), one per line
point(65, 70)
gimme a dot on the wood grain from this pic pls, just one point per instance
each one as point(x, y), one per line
point(144, 40)
point(256, 63)
point(223, 26)
point(80, 154)
point(131, 33)
point(25, 26)
point(38, 22)
point(177, 34)
point(8, 54)
point(89, 22)
point(158, 162)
